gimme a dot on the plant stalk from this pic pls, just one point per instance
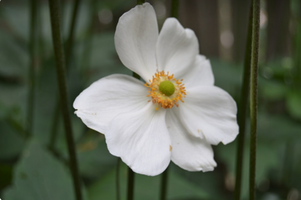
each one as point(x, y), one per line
point(254, 96)
point(131, 181)
point(61, 76)
point(242, 110)
point(33, 64)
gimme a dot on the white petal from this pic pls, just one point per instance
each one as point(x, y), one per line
point(135, 40)
point(199, 74)
point(104, 99)
point(176, 48)
point(188, 152)
point(210, 113)
point(141, 139)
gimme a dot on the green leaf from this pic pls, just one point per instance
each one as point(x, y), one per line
point(39, 176)
point(146, 188)
point(93, 156)
point(11, 144)
point(293, 104)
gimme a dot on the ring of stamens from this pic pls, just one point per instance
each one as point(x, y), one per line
point(160, 98)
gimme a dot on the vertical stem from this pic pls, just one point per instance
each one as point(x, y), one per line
point(174, 9)
point(140, 2)
point(131, 180)
point(69, 48)
point(118, 179)
point(297, 58)
point(31, 74)
point(54, 125)
point(131, 174)
point(61, 75)
point(164, 181)
point(70, 39)
point(253, 95)
point(242, 110)
point(86, 58)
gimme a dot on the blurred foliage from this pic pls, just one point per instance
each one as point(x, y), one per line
point(29, 170)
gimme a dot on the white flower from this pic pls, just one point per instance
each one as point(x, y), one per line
point(149, 124)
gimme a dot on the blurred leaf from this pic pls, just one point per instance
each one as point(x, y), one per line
point(39, 175)
point(6, 172)
point(11, 144)
point(146, 188)
point(227, 76)
point(272, 90)
point(294, 104)
point(277, 128)
point(93, 156)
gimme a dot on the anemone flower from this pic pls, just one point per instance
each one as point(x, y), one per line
point(175, 114)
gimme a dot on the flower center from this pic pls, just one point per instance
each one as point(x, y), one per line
point(165, 90)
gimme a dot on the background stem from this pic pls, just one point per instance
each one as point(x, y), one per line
point(253, 95)
point(118, 179)
point(61, 75)
point(131, 180)
point(242, 109)
point(31, 74)
point(69, 47)
point(140, 2)
point(164, 181)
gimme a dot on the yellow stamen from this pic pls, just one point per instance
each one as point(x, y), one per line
point(165, 101)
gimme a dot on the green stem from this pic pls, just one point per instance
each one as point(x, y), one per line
point(69, 48)
point(31, 74)
point(86, 57)
point(118, 179)
point(174, 9)
point(61, 76)
point(253, 95)
point(297, 59)
point(131, 174)
point(71, 33)
point(164, 181)
point(140, 2)
point(54, 126)
point(131, 180)
point(242, 110)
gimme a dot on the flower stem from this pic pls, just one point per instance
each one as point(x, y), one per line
point(118, 179)
point(253, 96)
point(242, 110)
point(61, 75)
point(31, 74)
point(86, 57)
point(131, 180)
point(131, 174)
point(140, 2)
point(174, 9)
point(164, 181)
point(69, 47)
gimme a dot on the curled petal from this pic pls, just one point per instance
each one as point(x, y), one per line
point(141, 139)
point(188, 152)
point(210, 113)
point(135, 40)
point(104, 99)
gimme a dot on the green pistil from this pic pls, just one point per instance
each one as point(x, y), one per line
point(167, 88)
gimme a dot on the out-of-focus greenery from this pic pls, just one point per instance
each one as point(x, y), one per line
point(30, 170)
